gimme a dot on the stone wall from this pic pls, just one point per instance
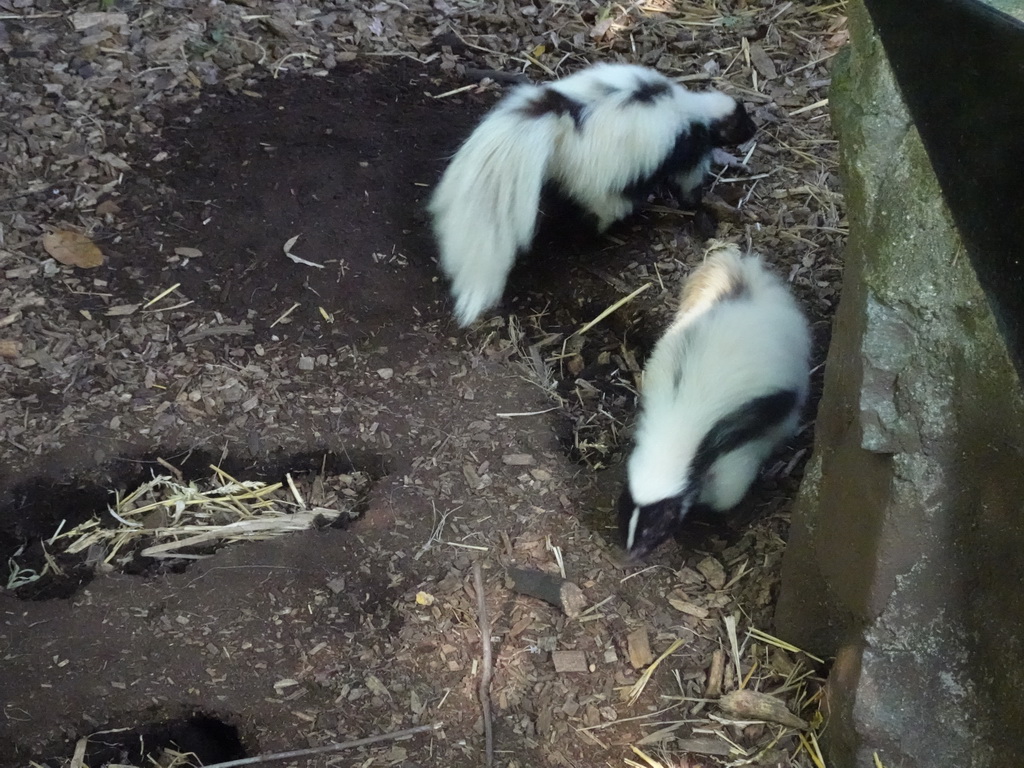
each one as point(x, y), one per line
point(905, 555)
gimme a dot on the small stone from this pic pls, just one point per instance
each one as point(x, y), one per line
point(306, 363)
point(385, 373)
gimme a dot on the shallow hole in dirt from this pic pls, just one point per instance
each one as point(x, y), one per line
point(34, 512)
point(200, 739)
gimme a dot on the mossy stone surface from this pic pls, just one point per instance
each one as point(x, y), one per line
point(905, 552)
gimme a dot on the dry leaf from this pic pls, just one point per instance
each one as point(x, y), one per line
point(762, 62)
point(107, 206)
point(298, 259)
point(72, 248)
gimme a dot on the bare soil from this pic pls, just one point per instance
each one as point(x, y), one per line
point(501, 445)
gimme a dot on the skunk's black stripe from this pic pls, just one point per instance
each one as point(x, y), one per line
point(647, 92)
point(551, 102)
point(750, 421)
point(692, 145)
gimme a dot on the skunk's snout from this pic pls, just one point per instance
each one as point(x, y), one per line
point(736, 128)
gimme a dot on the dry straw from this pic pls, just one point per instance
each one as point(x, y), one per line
point(167, 517)
point(761, 691)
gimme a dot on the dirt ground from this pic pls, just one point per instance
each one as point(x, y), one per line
point(501, 445)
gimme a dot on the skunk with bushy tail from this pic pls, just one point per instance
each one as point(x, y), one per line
point(603, 138)
point(723, 388)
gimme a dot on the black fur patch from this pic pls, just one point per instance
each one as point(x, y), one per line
point(662, 519)
point(647, 92)
point(624, 511)
point(734, 128)
point(657, 522)
point(739, 289)
point(691, 147)
point(747, 423)
point(551, 102)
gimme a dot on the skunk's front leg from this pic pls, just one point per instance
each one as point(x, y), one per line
point(690, 196)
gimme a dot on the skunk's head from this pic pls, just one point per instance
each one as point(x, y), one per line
point(645, 527)
point(735, 127)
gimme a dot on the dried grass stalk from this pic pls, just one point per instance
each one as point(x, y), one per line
point(167, 516)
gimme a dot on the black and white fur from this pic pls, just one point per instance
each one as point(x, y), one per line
point(604, 138)
point(722, 389)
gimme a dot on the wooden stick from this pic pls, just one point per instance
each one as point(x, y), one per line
point(485, 672)
point(559, 592)
point(328, 747)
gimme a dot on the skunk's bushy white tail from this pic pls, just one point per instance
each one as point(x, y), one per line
point(485, 208)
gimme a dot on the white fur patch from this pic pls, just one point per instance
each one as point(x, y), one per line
point(739, 335)
point(634, 520)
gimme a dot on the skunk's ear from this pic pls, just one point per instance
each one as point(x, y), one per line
point(734, 128)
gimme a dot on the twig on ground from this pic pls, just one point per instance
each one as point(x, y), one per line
point(485, 672)
point(497, 76)
point(435, 535)
point(624, 300)
point(394, 736)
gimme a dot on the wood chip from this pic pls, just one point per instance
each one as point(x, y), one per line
point(638, 644)
point(706, 746)
point(83, 20)
point(751, 705)
point(715, 674)
point(685, 606)
point(712, 571)
point(122, 309)
point(569, 661)
point(517, 459)
point(10, 348)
